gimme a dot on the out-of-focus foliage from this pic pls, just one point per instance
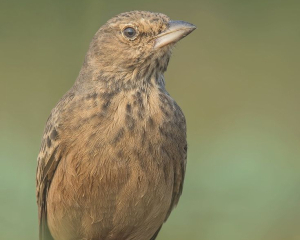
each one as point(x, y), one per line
point(236, 78)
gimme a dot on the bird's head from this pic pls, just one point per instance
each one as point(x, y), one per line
point(136, 43)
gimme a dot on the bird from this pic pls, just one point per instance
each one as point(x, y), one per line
point(113, 154)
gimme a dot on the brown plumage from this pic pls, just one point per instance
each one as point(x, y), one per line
point(113, 154)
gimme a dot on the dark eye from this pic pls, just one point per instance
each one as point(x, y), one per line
point(129, 32)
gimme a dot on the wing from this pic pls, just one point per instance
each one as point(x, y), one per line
point(156, 233)
point(180, 163)
point(48, 160)
point(179, 173)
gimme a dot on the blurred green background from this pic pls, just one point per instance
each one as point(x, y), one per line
point(236, 78)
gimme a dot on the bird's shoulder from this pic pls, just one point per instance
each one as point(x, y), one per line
point(52, 135)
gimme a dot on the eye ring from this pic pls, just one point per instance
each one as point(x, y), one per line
point(130, 32)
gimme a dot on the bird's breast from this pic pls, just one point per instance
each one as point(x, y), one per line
point(121, 170)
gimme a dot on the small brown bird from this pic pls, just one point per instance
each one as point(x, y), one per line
point(113, 155)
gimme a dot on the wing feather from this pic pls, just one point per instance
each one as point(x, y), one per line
point(48, 160)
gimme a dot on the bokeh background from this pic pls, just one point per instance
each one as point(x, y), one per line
point(236, 78)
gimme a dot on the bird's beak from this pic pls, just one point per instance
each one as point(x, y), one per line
point(176, 31)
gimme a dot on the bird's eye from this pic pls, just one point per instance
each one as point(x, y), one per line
point(130, 33)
